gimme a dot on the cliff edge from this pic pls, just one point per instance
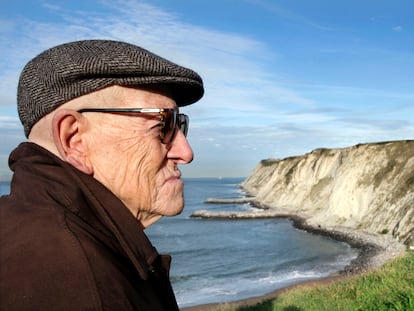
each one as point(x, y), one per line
point(368, 187)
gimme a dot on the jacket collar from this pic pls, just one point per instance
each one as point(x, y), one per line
point(72, 189)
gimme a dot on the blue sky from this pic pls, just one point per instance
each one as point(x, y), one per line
point(282, 77)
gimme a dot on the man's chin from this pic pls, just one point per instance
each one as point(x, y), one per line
point(176, 211)
point(174, 208)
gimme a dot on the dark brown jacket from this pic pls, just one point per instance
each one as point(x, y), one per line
point(67, 243)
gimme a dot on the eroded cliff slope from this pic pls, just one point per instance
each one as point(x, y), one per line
point(368, 187)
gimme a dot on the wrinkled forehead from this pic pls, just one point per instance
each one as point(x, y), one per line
point(154, 96)
point(163, 90)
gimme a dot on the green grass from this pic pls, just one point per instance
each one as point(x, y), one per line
point(388, 288)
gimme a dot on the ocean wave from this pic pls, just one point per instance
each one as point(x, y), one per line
point(235, 288)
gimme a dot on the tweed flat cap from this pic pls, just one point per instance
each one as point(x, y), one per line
point(70, 70)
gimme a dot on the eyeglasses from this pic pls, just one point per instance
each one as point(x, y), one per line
point(170, 119)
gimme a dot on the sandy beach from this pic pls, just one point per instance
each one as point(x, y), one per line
point(374, 251)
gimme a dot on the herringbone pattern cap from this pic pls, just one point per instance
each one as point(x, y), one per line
point(67, 71)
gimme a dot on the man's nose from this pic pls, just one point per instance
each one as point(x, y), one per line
point(180, 149)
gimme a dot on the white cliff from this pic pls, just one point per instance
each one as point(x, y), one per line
point(368, 187)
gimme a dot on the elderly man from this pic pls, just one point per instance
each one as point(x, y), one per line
point(105, 138)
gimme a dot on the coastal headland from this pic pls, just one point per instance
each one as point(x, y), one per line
point(362, 195)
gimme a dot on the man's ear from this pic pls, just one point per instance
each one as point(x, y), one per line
point(67, 136)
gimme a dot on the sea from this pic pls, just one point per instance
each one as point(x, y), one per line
point(228, 260)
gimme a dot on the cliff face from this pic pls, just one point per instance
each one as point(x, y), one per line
point(368, 187)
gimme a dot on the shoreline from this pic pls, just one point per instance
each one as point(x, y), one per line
point(374, 250)
point(271, 295)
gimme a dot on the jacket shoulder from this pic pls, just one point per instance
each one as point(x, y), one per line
point(42, 263)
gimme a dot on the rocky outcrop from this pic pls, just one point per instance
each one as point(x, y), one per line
point(368, 187)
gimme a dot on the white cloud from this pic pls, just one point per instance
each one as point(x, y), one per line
point(282, 12)
point(397, 28)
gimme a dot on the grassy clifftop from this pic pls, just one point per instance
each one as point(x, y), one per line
point(388, 288)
